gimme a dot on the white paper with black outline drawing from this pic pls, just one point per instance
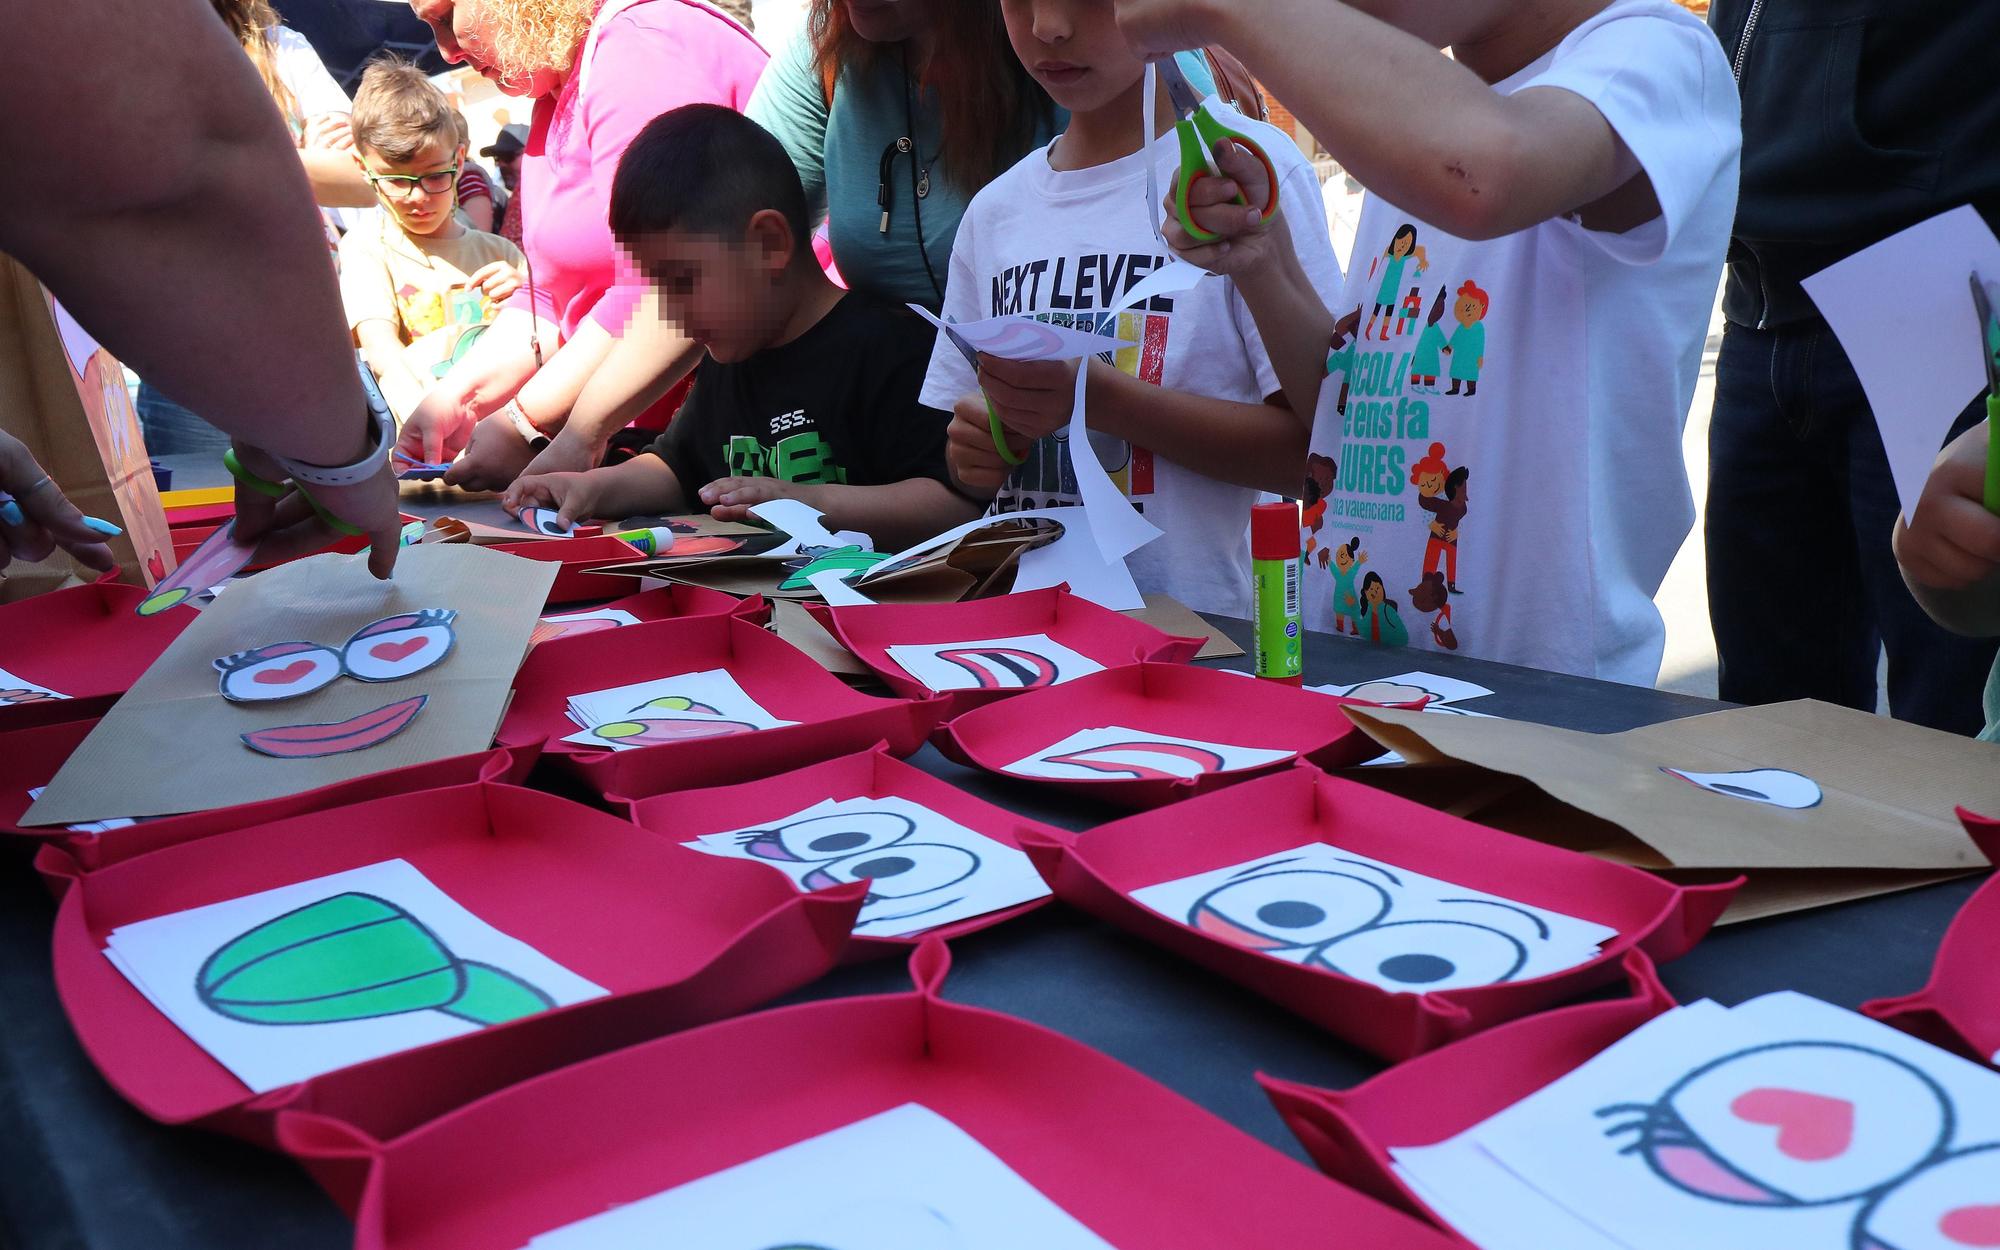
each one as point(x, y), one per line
point(386, 650)
point(1784, 1122)
point(1438, 689)
point(803, 526)
point(1119, 753)
point(17, 689)
point(706, 704)
point(547, 522)
point(1773, 787)
point(89, 826)
point(1072, 558)
point(286, 984)
point(1325, 907)
point(905, 1179)
point(1019, 336)
point(1019, 662)
point(924, 869)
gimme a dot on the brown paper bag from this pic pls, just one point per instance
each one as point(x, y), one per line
point(1171, 616)
point(1884, 820)
point(64, 396)
point(174, 744)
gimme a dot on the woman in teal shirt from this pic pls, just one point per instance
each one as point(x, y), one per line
point(895, 115)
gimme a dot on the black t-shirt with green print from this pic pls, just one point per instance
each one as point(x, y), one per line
point(838, 404)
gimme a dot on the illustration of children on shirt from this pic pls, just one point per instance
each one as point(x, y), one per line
point(1441, 492)
point(1427, 360)
point(1467, 348)
point(1321, 473)
point(1381, 623)
point(1391, 263)
point(1347, 559)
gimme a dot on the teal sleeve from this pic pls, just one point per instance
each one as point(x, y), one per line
point(790, 102)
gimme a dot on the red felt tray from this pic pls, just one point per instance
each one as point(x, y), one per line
point(575, 558)
point(1959, 1007)
point(1178, 700)
point(676, 940)
point(1097, 872)
point(187, 538)
point(1108, 637)
point(1439, 1095)
point(85, 641)
point(1143, 1167)
point(687, 814)
point(31, 757)
point(834, 718)
point(666, 603)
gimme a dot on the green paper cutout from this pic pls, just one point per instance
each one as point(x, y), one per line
point(354, 956)
point(849, 560)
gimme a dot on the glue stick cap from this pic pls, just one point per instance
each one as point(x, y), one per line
point(1274, 531)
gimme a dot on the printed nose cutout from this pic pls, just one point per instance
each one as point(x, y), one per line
point(1812, 1128)
point(391, 652)
point(1972, 1226)
point(284, 676)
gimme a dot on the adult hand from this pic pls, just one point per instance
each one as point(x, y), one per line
point(1247, 240)
point(1955, 541)
point(1157, 28)
point(568, 452)
point(496, 280)
point(440, 426)
point(731, 498)
point(573, 496)
point(494, 457)
point(1032, 398)
point(39, 519)
point(969, 452)
point(332, 131)
point(287, 526)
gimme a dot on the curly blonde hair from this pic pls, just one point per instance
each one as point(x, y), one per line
point(523, 36)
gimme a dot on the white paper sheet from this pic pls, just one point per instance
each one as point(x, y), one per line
point(924, 869)
point(906, 1179)
point(833, 587)
point(803, 527)
point(706, 704)
point(1022, 662)
point(1117, 753)
point(1408, 688)
point(17, 689)
point(1073, 558)
point(1377, 922)
point(1903, 311)
point(1019, 336)
point(439, 952)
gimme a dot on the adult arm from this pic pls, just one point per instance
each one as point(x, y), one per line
point(641, 367)
point(790, 102)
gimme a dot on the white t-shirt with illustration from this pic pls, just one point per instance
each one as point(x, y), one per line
point(1496, 461)
point(1064, 245)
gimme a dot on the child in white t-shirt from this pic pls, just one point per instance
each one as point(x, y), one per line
point(1558, 197)
point(1193, 422)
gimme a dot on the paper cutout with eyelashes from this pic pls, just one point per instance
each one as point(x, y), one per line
point(576, 624)
point(1405, 932)
point(1116, 753)
point(389, 649)
point(288, 983)
point(16, 690)
point(1022, 662)
point(547, 522)
point(923, 869)
point(707, 704)
point(356, 733)
point(903, 1179)
point(1776, 787)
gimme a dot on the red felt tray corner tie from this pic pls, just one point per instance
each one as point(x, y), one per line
point(1098, 872)
point(1958, 1008)
point(1136, 1163)
point(675, 940)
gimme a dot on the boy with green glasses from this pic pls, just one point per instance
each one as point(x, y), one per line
point(418, 283)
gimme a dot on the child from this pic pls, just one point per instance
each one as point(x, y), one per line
point(807, 392)
point(1950, 555)
point(1195, 413)
point(418, 285)
point(1569, 174)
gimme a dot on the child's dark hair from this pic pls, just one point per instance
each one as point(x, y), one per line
point(1455, 482)
point(1404, 231)
point(705, 168)
point(1354, 545)
point(1375, 579)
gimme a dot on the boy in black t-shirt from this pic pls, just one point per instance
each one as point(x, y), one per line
point(808, 392)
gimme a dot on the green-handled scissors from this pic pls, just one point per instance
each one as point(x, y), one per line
point(971, 355)
point(1989, 340)
point(278, 490)
point(1199, 133)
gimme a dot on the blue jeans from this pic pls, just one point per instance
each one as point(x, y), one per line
point(172, 430)
point(1803, 591)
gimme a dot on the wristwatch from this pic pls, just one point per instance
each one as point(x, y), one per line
point(522, 426)
point(370, 462)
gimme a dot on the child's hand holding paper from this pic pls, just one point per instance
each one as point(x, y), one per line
point(1954, 541)
point(731, 498)
point(1032, 398)
point(573, 497)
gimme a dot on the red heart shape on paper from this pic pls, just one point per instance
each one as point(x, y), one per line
point(1811, 1127)
point(1972, 1226)
point(390, 652)
point(298, 670)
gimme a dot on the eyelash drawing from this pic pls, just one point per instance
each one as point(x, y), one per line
point(291, 670)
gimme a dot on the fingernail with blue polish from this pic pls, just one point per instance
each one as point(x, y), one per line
point(10, 514)
point(101, 526)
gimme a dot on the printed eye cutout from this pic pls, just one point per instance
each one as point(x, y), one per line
point(546, 521)
point(1423, 956)
point(396, 647)
point(1950, 1205)
point(282, 670)
point(1145, 761)
point(1289, 910)
point(1003, 668)
point(1790, 1124)
point(898, 871)
point(1775, 786)
point(828, 837)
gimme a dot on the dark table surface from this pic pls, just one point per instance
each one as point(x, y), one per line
point(80, 1168)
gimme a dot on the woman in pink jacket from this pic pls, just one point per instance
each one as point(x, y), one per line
point(598, 71)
